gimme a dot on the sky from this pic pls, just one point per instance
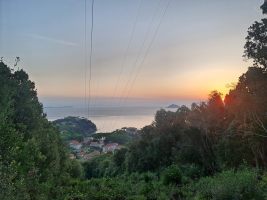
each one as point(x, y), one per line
point(156, 49)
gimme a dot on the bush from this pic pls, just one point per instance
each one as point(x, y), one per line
point(192, 171)
point(242, 184)
point(172, 175)
point(75, 169)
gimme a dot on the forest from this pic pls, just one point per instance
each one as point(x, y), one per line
point(212, 150)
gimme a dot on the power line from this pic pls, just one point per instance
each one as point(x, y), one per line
point(125, 56)
point(149, 47)
point(126, 88)
point(90, 57)
point(146, 52)
point(85, 53)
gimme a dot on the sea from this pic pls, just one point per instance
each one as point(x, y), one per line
point(108, 115)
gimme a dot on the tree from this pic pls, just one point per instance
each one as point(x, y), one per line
point(264, 7)
point(33, 160)
point(256, 43)
point(246, 107)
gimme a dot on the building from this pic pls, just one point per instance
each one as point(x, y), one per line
point(81, 154)
point(111, 147)
point(96, 144)
point(75, 145)
point(87, 140)
point(91, 155)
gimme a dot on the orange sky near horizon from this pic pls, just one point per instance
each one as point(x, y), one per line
point(202, 82)
point(197, 48)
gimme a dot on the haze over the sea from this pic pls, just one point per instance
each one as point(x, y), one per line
point(109, 114)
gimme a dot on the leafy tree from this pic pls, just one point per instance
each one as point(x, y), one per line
point(264, 7)
point(256, 43)
point(119, 158)
point(246, 114)
point(33, 160)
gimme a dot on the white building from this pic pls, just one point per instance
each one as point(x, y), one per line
point(111, 147)
point(96, 144)
point(74, 144)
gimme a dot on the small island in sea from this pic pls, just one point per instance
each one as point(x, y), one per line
point(173, 106)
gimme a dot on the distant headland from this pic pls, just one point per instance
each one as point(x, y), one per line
point(173, 106)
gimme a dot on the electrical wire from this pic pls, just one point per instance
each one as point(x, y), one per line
point(124, 99)
point(90, 57)
point(149, 48)
point(85, 53)
point(126, 88)
point(125, 56)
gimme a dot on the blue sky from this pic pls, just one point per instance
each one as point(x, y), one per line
point(198, 46)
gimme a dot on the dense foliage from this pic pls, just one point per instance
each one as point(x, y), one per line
point(33, 162)
point(199, 152)
point(118, 136)
point(74, 127)
point(264, 7)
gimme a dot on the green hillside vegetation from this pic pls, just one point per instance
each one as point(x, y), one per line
point(118, 136)
point(75, 128)
point(33, 160)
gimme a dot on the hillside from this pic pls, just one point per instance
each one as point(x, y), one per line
point(74, 128)
point(121, 137)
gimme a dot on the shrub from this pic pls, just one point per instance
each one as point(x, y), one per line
point(172, 175)
point(242, 184)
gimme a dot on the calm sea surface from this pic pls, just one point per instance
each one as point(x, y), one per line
point(108, 114)
point(108, 118)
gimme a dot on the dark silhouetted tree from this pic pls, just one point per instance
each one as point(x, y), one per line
point(264, 7)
